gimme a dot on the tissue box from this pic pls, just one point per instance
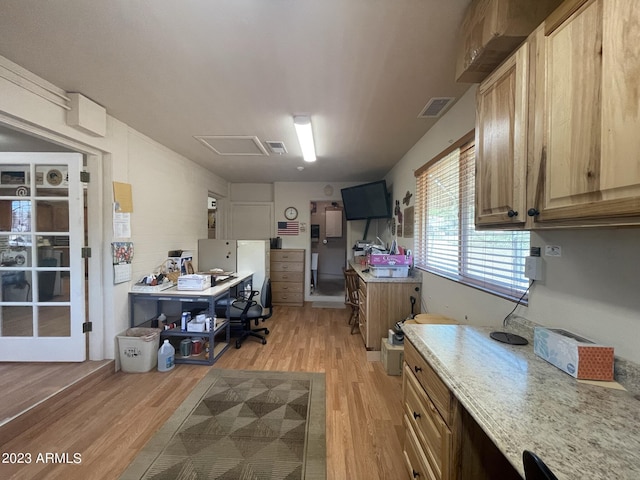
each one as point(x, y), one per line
point(194, 282)
point(574, 355)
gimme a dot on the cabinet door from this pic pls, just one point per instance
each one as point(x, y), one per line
point(501, 149)
point(587, 142)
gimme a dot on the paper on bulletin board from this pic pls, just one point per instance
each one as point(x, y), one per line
point(121, 224)
point(123, 197)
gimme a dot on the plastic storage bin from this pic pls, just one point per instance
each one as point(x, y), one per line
point(139, 349)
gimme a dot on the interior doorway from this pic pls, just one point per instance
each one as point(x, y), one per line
point(212, 211)
point(328, 249)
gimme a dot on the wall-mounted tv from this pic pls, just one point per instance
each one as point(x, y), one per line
point(370, 200)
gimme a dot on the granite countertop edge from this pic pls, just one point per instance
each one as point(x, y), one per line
point(522, 402)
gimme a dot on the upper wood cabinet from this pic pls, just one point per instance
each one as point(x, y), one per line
point(582, 126)
point(501, 147)
point(587, 141)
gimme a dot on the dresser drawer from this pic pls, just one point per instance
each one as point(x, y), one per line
point(286, 297)
point(287, 266)
point(285, 287)
point(286, 277)
point(287, 256)
point(414, 459)
point(433, 434)
point(430, 381)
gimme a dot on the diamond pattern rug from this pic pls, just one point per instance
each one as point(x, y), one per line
point(245, 425)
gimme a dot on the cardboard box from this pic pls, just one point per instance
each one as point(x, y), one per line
point(386, 259)
point(194, 282)
point(574, 355)
point(392, 357)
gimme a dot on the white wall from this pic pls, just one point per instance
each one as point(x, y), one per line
point(591, 290)
point(169, 195)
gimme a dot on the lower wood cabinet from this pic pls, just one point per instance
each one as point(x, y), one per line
point(382, 304)
point(442, 440)
point(287, 277)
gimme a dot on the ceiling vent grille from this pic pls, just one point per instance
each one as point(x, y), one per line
point(435, 107)
point(276, 147)
point(238, 145)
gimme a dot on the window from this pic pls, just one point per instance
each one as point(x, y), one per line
point(447, 242)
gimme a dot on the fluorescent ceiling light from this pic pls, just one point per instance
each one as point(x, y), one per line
point(305, 137)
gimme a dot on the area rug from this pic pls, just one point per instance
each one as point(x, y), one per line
point(239, 424)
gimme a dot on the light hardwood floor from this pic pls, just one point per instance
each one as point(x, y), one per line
point(107, 421)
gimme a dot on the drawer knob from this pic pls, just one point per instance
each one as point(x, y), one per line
point(416, 415)
point(415, 474)
point(417, 369)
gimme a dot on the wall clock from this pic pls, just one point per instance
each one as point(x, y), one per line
point(291, 213)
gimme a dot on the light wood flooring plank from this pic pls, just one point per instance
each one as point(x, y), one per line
point(109, 422)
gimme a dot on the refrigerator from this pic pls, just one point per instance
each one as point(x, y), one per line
point(236, 256)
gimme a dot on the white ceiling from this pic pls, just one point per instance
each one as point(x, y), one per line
point(362, 69)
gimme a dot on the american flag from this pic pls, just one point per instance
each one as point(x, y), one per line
point(288, 228)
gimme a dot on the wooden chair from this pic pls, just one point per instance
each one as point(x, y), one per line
point(352, 297)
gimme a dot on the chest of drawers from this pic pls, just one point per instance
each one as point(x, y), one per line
point(287, 277)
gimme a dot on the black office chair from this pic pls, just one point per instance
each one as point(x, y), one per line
point(535, 468)
point(246, 310)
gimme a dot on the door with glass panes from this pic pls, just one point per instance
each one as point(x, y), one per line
point(42, 295)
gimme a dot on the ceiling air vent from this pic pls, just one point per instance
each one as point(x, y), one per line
point(435, 107)
point(233, 144)
point(276, 147)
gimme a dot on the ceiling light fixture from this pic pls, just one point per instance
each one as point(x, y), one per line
point(305, 137)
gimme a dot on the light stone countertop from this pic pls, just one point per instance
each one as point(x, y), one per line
point(524, 403)
point(369, 278)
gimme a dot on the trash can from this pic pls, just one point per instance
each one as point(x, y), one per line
point(139, 349)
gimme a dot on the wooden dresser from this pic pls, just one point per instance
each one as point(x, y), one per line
point(287, 276)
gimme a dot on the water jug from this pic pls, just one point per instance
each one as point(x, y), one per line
point(166, 356)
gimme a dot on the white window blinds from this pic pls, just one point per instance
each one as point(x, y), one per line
point(447, 242)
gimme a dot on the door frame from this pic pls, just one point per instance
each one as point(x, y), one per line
point(95, 292)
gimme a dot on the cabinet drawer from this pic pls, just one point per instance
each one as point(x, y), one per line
point(287, 266)
point(287, 276)
point(414, 459)
point(287, 256)
point(286, 297)
point(286, 287)
point(433, 434)
point(429, 380)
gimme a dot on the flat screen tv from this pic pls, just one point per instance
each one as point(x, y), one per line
point(370, 200)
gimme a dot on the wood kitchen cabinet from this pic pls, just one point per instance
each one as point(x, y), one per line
point(501, 143)
point(382, 303)
point(582, 124)
point(442, 441)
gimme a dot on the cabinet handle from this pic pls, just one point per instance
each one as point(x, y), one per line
point(416, 415)
point(415, 474)
point(533, 212)
point(512, 213)
point(417, 369)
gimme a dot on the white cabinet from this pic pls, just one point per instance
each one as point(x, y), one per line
point(333, 223)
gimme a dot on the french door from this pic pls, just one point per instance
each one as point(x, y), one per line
point(42, 282)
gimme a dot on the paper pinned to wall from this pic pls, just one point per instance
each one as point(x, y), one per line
point(121, 223)
point(123, 197)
